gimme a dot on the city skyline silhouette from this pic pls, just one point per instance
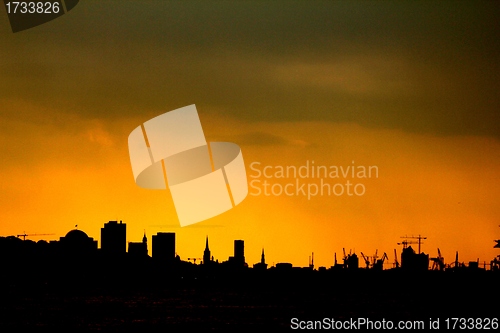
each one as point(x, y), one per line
point(113, 243)
point(370, 137)
point(109, 288)
point(331, 88)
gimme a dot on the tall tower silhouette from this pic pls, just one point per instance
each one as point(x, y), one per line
point(239, 252)
point(114, 238)
point(206, 254)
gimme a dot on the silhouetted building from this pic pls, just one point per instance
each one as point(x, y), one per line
point(239, 252)
point(284, 266)
point(238, 259)
point(495, 264)
point(77, 242)
point(139, 249)
point(114, 237)
point(262, 264)
point(311, 261)
point(206, 254)
point(351, 261)
point(413, 261)
point(164, 246)
point(473, 265)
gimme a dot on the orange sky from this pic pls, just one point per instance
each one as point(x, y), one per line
point(415, 171)
point(425, 114)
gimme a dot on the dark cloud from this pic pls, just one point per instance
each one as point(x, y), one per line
point(256, 139)
point(418, 66)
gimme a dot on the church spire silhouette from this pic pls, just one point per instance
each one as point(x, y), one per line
point(206, 253)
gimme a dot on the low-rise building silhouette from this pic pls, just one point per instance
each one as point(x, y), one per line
point(412, 261)
point(139, 249)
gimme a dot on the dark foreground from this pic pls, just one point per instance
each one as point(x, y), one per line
point(244, 302)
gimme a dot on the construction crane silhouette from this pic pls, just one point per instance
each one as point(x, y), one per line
point(406, 241)
point(24, 235)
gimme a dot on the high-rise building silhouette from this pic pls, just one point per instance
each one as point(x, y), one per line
point(206, 254)
point(114, 237)
point(239, 252)
point(164, 246)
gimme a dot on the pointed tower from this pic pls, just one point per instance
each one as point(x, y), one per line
point(206, 254)
point(139, 249)
point(145, 243)
point(261, 266)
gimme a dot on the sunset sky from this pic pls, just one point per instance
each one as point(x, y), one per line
point(409, 87)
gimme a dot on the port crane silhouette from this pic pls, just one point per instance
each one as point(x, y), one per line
point(366, 259)
point(438, 262)
point(379, 263)
point(396, 262)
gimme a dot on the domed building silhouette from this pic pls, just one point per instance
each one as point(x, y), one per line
point(77, 242)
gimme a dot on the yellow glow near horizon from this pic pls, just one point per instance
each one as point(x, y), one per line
point(439, 187)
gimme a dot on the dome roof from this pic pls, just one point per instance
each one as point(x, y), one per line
point(76, 235)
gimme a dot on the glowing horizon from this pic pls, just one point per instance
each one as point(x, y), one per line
point(411, 88)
